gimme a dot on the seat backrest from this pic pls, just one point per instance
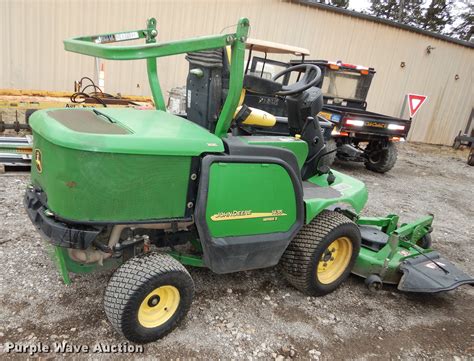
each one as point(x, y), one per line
point(205, 84)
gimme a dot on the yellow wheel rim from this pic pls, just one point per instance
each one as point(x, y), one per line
point(158, 306)
point(334, 260)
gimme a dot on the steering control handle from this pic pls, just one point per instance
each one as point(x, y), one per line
point(312, 76)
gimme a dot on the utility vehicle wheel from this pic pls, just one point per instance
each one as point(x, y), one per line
point(329, 159)
point(148, 296)
point(381, 160)
point(470, 158)
point(425, 241)
point(457, 143)
point(322, 255)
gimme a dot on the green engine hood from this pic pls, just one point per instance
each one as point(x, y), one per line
point(124, 130)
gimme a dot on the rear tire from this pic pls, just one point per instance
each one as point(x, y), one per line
point(148, 296)
point(381, 160)
point(331, 239)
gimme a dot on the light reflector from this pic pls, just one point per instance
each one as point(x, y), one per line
point(396, 127)
point(355, 122)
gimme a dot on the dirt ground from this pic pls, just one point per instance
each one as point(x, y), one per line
point(257, 315)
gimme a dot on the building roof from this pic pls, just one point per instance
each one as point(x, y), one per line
point(384, 21)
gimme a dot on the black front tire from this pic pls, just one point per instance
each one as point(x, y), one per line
point(302, 258)
point(131, 286)
point(381, 160)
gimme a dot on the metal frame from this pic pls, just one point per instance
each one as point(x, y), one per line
point(96, 45)
point(409, 233)
point(268, 47)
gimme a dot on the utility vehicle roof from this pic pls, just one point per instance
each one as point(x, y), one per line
point(275, 48)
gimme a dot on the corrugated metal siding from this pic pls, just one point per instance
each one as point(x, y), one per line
point(32, 55)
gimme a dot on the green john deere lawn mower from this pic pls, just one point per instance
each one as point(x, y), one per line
point(154, 191)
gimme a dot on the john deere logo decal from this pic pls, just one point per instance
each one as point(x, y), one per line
point(247, 214)
point(38, 161)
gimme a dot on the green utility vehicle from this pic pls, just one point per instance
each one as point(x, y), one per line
point(153, 191)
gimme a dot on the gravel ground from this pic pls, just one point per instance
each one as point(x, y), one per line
point(256, 314)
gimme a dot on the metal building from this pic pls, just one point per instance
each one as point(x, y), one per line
point(32, 55)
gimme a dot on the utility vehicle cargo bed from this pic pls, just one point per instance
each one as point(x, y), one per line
point(372, 123)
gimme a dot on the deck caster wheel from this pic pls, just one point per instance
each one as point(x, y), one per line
point(148, 296)
point(374, 283)
point(425, 241)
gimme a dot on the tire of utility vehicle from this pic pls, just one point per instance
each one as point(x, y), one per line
point(457, 143)
point(322, 255)
point(329, 159)
point(148, 296)
point(470, 158)
point(383, 160)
